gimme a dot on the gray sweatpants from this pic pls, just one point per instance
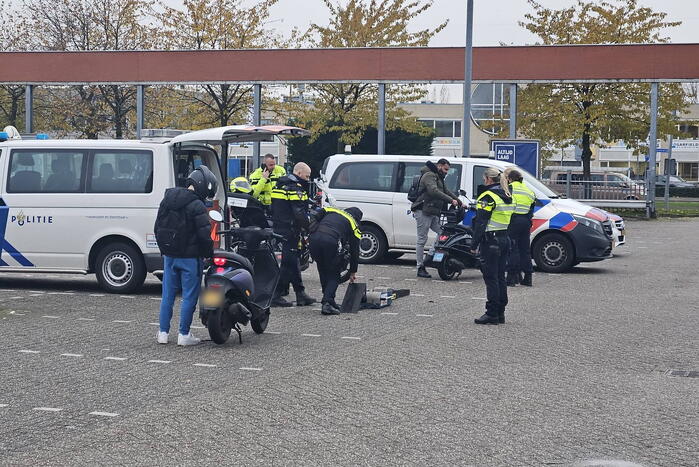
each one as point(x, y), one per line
point(424, 224)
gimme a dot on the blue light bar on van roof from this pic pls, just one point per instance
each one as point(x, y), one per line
point(42, 136)
point(4, 136)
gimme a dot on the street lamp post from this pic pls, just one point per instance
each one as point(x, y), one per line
point(466, 123)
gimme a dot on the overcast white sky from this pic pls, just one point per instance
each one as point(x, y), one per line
point(495, 21)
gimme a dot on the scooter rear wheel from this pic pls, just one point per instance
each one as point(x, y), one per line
point(260, 324)
point(219, 325)
point(446, 272)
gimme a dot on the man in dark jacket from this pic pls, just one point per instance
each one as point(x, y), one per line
point(434, 196)
point(335, 228)
point(289, 219)
point(182, 230)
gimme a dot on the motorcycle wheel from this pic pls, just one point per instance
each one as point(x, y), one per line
point(219, 325)
point(259, 325)
point(446, 273)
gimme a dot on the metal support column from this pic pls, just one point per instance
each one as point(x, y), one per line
point(140, 109)
point(513, 111)
point(381, 127)
point(668, 167)
point(29, 109)
point(256, 118)
point(468, 62)
point(652, 146)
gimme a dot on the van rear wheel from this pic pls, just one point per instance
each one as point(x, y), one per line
point(120, 268)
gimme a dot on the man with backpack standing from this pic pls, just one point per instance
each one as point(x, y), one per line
point(429, 196)
point(182, 230)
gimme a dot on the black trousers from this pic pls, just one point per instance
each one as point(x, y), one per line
point(290, 268)
point(520, 259)
point(324, 252)
point(494, 251)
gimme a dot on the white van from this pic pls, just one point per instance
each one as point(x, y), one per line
point(89, 206)
point(564, 232)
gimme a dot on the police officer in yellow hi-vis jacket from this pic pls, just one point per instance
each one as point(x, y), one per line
point(520, 260)
point(264, 180)
point(494, 208)
point(332, 231)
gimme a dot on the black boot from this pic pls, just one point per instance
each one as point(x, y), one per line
point(501, 316)
point(527, 279)
point(422, 272)
point(486, 319)
point(329, 309)
point(280, 301)
point(303, 299)
point(512, 279)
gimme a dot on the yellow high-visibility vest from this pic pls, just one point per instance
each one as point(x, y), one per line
point(523, 197)
point(501, 211)
point(353, 223)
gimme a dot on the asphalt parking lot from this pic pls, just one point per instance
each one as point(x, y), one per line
point(596, 364)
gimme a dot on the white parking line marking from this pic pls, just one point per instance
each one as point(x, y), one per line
point(411, 280)
point(388, 313)
point(118, 359)
point(154, 324)
point(16, 298)
point(447, 296)
point(424, 316)
point(47, 409)
point(465, 282)
point(29, 351)
point(310, 335)
point(478, 298)
point(50, 317)
point(272, 332)
point(104, 414)
point(383, 266)
point(159, 361)
point(384, 278)
point(642, 247)
point(35, 294)
point(2, 406)
point(86, 319)
point(76, 355)
point(96, 295)
point(247, 368)
point(205, 365)
point(417, 294)
point(156, 298)
point(61, 293)
point(552, 274)
point(351, 338)
point(197, 327)
point(126, 296)
point(120, 321)
point(35, 291)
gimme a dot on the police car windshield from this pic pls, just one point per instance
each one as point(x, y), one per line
point(541, 190)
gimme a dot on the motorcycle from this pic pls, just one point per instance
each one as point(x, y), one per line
point(238, 285)
point(453, 246)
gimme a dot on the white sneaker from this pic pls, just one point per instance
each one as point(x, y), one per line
point(162, 337)
point(188, 339)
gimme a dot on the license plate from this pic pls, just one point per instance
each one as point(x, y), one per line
point(438, 257)
point(212, 298)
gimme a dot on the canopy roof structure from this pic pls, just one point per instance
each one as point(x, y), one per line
point(516, 64)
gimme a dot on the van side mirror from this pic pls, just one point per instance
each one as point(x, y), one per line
point(463, 193)
point(215, 216)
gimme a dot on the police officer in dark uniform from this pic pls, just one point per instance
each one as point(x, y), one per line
point(289, 218)
point(333, 229)
point(494, 209)
point(520, 260)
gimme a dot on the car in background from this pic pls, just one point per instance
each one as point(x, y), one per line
point(675, 181)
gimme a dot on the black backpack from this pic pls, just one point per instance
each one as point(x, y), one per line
point(414, 192)
point(172, 231)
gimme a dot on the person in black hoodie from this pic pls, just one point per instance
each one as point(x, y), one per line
point(182, 230)
point(494, 210)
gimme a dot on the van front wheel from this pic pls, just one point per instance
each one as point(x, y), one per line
point(372, 245)
point(554, 253)
point(120, 268)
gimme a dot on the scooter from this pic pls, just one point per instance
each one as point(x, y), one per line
point(238, 285)
point(453, 246)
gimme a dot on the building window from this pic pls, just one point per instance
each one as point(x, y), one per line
point(444, 128)
point(490, 107)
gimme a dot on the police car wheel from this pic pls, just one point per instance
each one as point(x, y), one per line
point(120, 268)
point(372, 245)
point(554, 253)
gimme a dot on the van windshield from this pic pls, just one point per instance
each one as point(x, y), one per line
point(541, 190)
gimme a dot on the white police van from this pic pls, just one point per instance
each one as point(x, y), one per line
point(564, 232)
point(89, 206)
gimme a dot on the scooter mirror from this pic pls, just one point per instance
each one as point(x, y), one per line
point(215, 216)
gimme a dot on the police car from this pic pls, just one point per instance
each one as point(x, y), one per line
point(89, 206)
